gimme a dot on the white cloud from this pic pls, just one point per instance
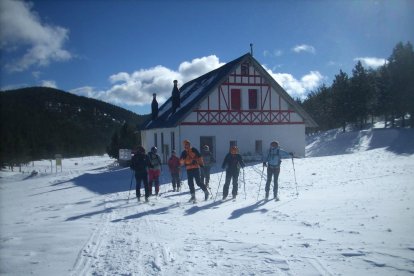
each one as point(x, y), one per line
point(272, 54)
point(136, 88)
point(371, 62)
point(48, 83)
point(298, 88)
point(304, 48)
point(23, 31)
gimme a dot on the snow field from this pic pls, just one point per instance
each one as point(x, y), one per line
point(353, 215)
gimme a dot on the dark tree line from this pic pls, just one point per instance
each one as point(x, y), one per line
point(39, 122)
point(127, 137)
point(386, 92)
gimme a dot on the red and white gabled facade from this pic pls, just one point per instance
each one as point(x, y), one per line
point(245, 107)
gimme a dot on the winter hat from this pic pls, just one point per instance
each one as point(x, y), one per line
point(140, 149)
point(274, 143)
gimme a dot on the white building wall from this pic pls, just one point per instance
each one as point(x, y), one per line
point(148, 141)
point(290, 137)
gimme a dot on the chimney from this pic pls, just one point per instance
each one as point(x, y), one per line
point(175, 97)
point(154, 107)
point(251, 49)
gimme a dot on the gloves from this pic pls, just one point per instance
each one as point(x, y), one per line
point(264, 164)
point(194, 162)
point(291, 154)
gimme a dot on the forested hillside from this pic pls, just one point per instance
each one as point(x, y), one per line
point(386, 92)
point(39, 122)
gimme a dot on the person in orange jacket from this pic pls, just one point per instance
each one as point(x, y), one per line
point(192, 160)
point(174, 167)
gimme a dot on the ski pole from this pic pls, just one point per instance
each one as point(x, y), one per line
point(130, 185)
point(244, 185)
point(218, 188)
point(294, 173)
point(260, 185)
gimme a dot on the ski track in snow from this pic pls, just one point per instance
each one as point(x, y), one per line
point(135, 239)
point(159, 238)
point(353, 215)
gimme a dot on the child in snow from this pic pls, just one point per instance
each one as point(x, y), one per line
point(174, 167)
point(272, 161)
point(155, 171)
point(233, 161)
point(192, 160)
point(208, 160)
point(140, 163)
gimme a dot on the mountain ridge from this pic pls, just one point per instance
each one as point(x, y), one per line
point(38, 122)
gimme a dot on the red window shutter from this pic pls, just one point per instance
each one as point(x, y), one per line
point(235, 99)
point(252, 99)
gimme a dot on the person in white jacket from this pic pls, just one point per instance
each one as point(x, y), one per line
point(272, 161)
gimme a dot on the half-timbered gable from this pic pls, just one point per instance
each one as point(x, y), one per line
point(236, 104)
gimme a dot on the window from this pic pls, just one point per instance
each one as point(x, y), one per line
point(162, 142)
point(252, 99)
point(245, 69)
point(172, 140)
point(235, 99)
point(155, 140)
point(258, 147)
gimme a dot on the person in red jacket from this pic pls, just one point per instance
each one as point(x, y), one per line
point(174, 166)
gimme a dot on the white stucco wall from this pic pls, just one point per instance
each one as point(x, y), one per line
point(290, 137)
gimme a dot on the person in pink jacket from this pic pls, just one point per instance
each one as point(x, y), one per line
point(174, 166)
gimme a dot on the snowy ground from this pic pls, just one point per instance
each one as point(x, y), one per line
point(354, 216)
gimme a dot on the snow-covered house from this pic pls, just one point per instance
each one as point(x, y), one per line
point(236, 104)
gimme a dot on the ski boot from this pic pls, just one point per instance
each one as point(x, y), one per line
point(193, 198)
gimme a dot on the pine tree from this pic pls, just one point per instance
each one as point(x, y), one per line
point(401, 69)
point(341, 99)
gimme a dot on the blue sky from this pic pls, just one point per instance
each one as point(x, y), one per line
point(123, 51)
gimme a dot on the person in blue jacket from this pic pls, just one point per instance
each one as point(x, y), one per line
point(272, 161)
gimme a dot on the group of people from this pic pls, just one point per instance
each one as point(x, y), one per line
point(147, 169)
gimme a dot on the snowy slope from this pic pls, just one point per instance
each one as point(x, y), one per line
point(354, 216)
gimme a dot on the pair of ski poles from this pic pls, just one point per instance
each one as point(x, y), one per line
point(294, 173)
point(244, 185)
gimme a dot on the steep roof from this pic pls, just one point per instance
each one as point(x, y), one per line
point(196, 90)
